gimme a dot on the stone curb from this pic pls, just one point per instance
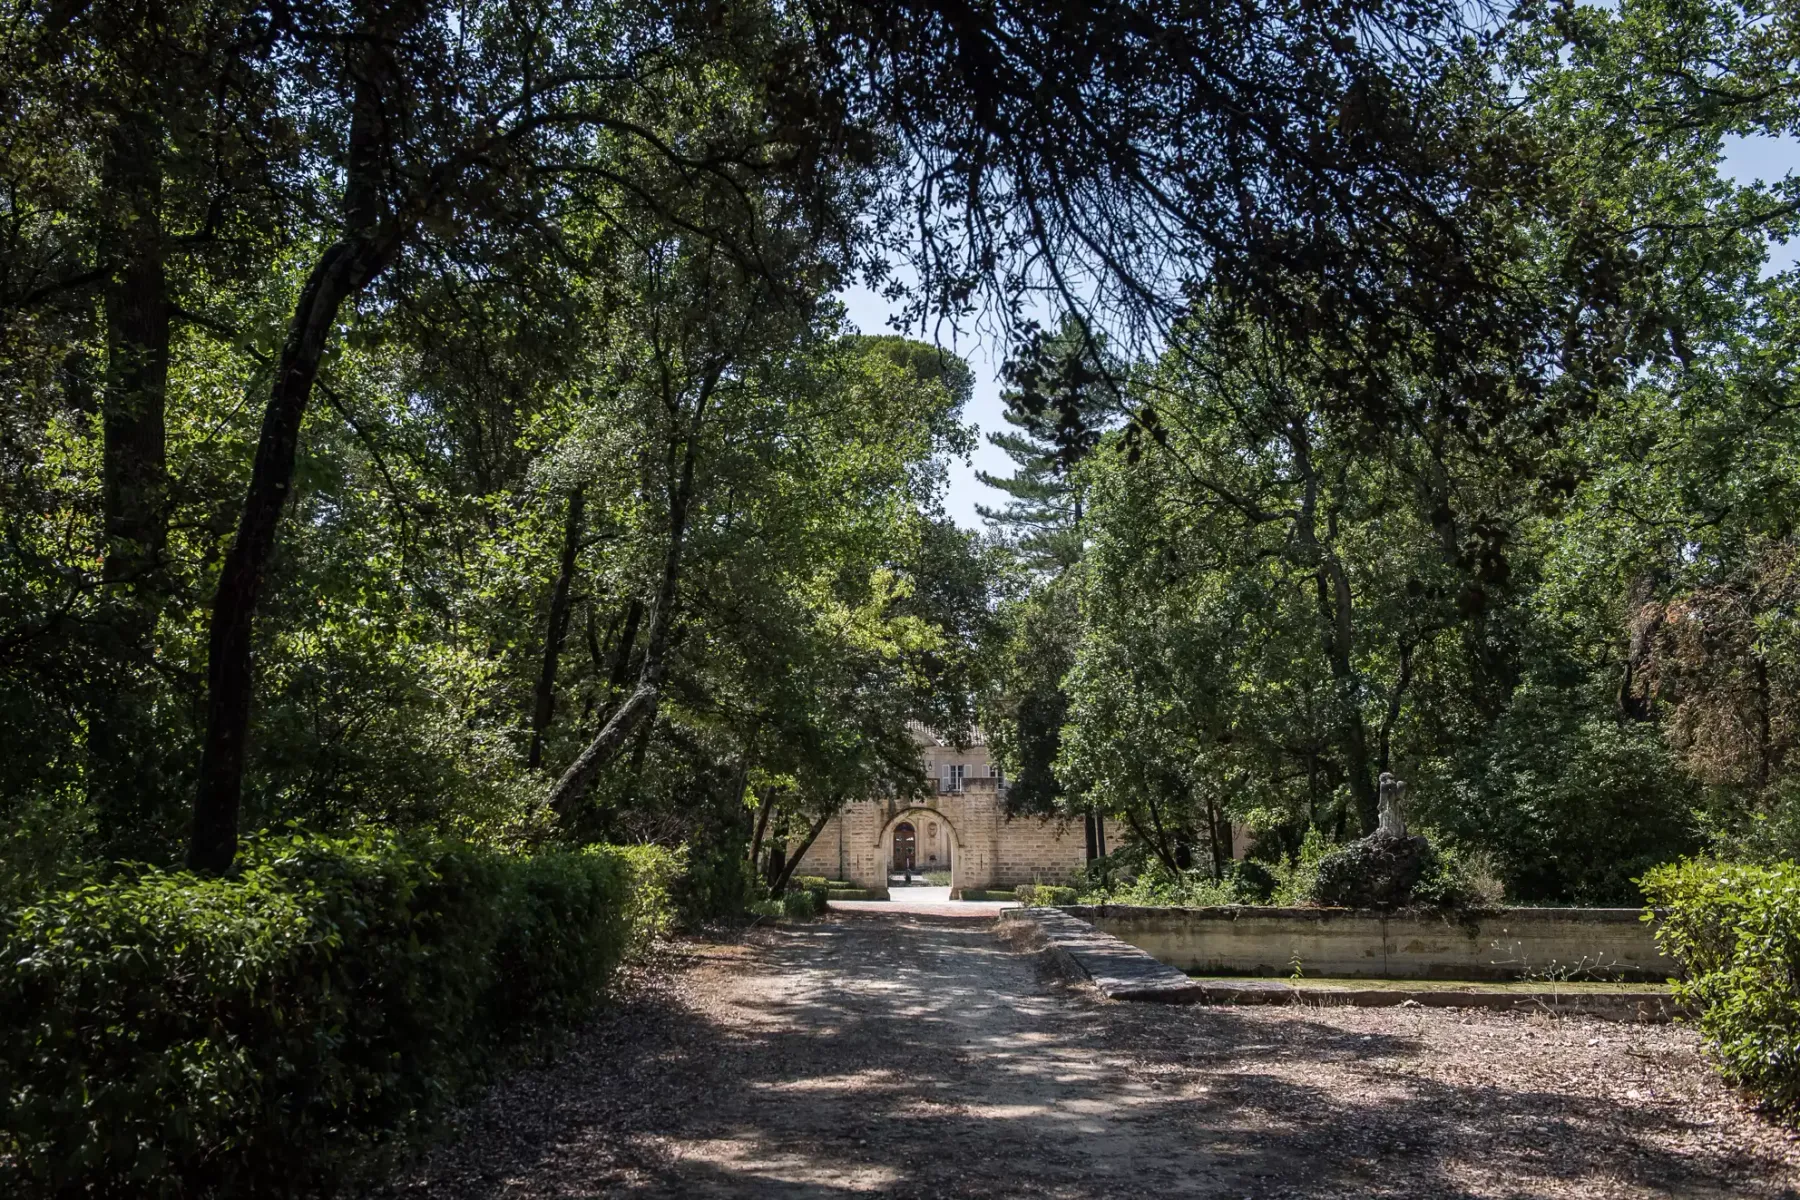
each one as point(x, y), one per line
point(1121, 971)
point(1117, 969)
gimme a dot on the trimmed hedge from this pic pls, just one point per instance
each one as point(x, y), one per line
point(276, 1031)
point(1044, 894)
point(1736, 932)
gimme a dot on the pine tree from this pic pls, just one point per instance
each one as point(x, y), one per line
point(1063, 388)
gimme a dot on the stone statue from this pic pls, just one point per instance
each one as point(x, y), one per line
point(1393, 810)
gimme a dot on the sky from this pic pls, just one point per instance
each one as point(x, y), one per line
point(985, 352)
point(1746, 160)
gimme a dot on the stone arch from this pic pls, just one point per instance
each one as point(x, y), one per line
point(917, 818)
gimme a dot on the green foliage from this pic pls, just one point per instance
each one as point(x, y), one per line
point(815, 886)
point(1156, 885)
point(801, 905)
point(1572, 804)
point(1416, 872)
point(1251, 882)
point(846, 892)
point(280, 1029)
point(1297, 875)
point(1042, 895)
point(1735, 930)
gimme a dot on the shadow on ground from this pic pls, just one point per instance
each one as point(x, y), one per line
point(898, 1056)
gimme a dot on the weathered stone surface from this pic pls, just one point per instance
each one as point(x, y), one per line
point(1379, 871)
point(1117, 969)
point(1121, 971)
point(966, 833)
point(1508, 944)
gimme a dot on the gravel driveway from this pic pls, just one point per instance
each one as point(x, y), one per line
point(909, 1057)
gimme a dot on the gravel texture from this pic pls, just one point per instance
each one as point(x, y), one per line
point(905, 1056)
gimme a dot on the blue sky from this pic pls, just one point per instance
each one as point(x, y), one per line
point(1746, 159)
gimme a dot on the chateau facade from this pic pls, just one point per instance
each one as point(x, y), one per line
point(961, 829)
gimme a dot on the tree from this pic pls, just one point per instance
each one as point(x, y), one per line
point(1065, 392)
point(550, 109)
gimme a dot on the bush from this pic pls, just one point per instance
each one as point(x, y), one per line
point(1735, 930)
point(816, 886)
point(1158, 886)
point(800, 906)
point(1386, 872)
point(1379, 871)
point(1044, 895)
point(276, 1031)
point(1250, 882)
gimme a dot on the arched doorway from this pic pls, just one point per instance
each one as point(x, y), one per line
point(906, 848)
point(932, 840)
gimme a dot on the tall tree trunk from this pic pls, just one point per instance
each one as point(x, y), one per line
point(621, 663)
point(780, 883)
point(763, 812)
point(1395, 699)
point(369, 243)
point(1494, 669)
point(1218, 835)
point(121, 771)
point(133, 459)
point(545, 705)
point(642, 703)
point(1337, 631)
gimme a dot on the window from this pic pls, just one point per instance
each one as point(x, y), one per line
point(955, 779)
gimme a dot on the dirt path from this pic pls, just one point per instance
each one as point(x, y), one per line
point(906, 1057)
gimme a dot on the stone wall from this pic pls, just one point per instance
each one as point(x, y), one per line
point(976, 841)
point(1517, 943)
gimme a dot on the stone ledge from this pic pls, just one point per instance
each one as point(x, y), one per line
point(1644, 1007)
point(1121, 971)
point(1117, 969)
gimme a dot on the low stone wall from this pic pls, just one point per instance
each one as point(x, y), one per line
point(1514, 943)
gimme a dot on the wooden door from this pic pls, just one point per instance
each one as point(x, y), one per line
point(906, 847)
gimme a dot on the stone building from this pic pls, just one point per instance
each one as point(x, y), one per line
point(961, 828)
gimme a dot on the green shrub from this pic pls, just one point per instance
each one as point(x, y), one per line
point(1250, 882)
point(1154, 884)
point(276, 1031)
point(815, 886)
point(1044, 894)
point(1735, 930)
point(1413, 872)
point(800, 906)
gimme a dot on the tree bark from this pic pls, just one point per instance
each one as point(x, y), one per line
point(1162, 852)
point(545, 700)
point(370, 241)
point(122, 772)
point(133, 456)
point(793, 860)
point(1395, 699)
point(621, 664)
point(643, 702)
point(1336, 607)
point(762, 824)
